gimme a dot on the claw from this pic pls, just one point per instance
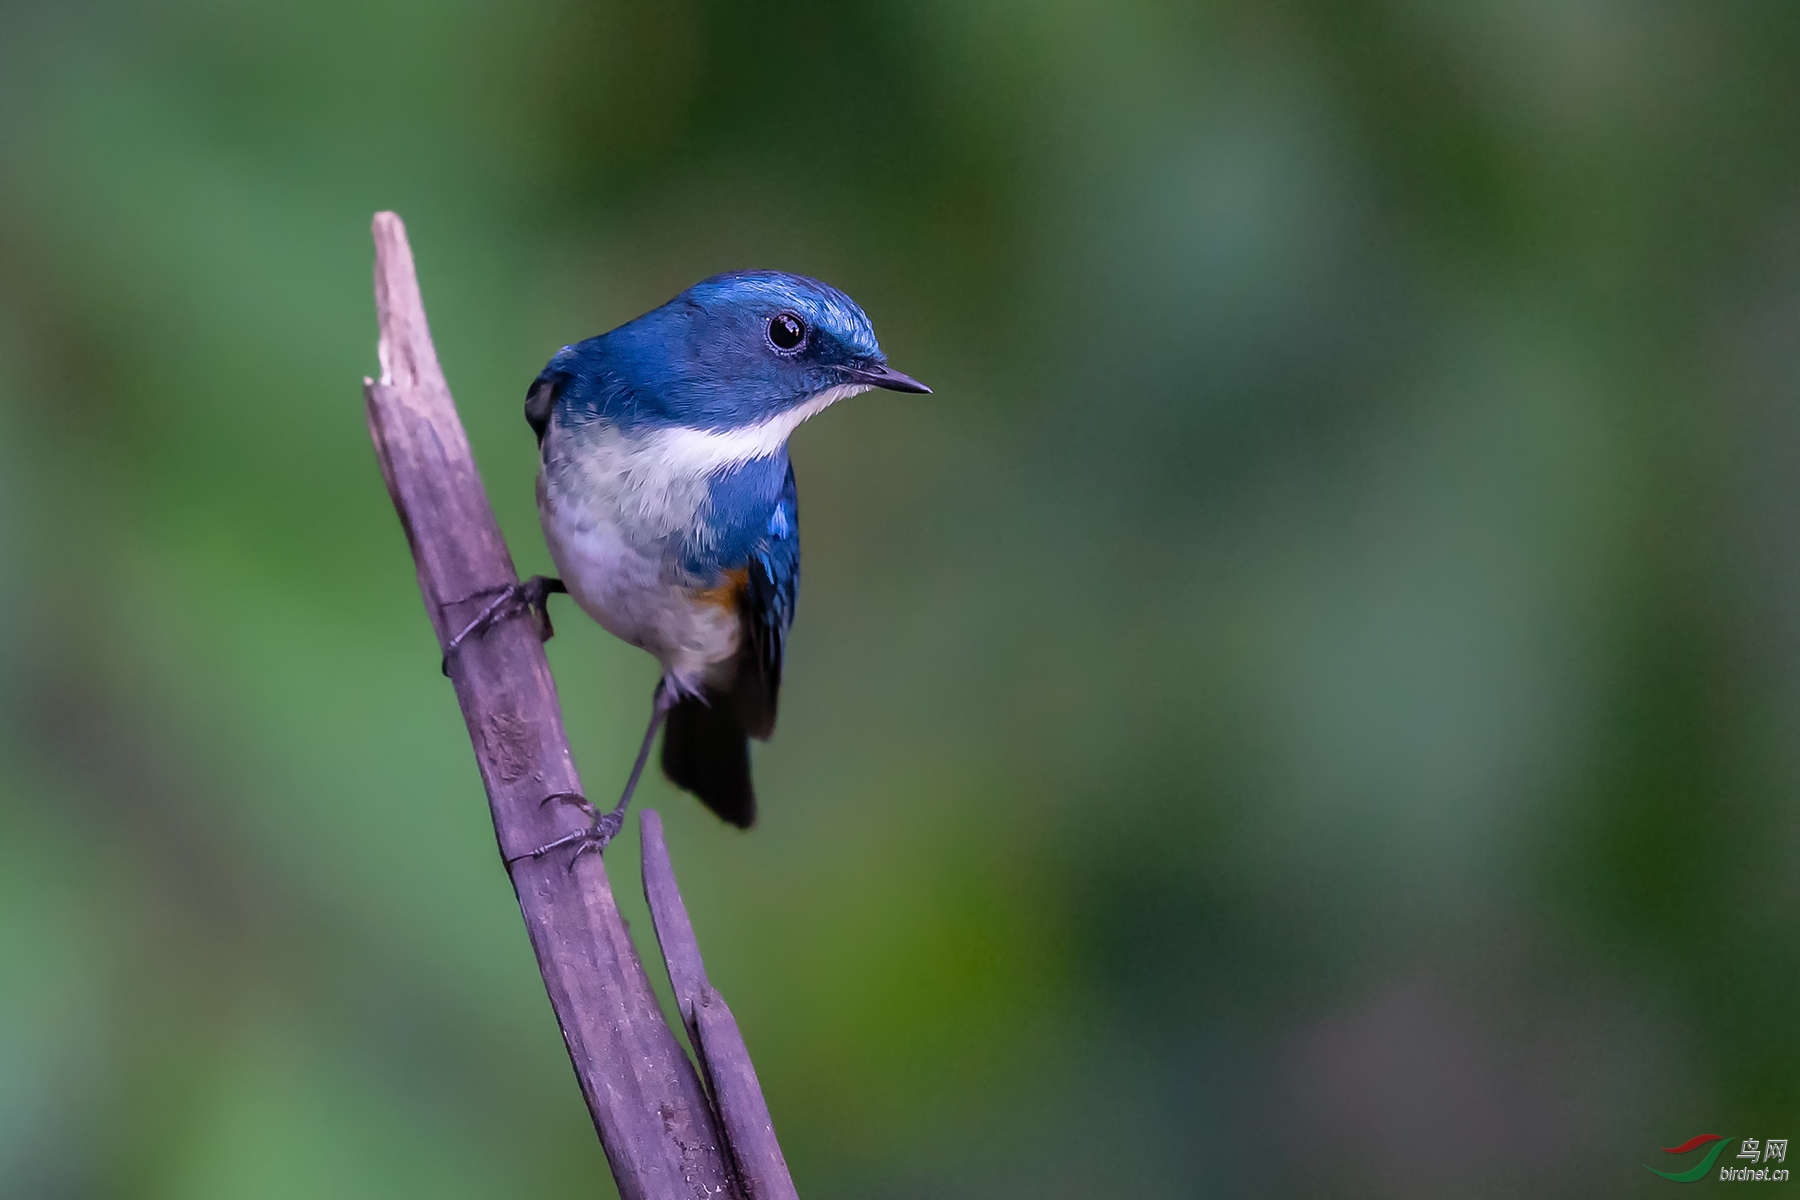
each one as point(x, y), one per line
point(576, 798)
point(604, 827)
point(531, 596)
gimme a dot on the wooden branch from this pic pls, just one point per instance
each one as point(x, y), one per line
point(655, 1123)
point(749, 1131)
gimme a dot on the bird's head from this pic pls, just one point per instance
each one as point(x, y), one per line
point(744, 351)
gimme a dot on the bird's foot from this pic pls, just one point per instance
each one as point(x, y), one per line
point(603, 828)
point(531, 596)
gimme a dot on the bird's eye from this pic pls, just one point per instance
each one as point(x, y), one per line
point(786, 331)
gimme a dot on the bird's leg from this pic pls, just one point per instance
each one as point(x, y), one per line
point(606, 825)
point(531, 596)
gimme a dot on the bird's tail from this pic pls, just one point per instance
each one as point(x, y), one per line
point(707, 752)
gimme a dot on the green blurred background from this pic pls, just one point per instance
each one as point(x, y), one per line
point(1308, 707)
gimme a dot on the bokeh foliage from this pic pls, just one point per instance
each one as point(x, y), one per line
point(1309, 707)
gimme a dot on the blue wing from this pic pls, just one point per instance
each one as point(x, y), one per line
point(770, 593)
point(752, 540)
point(748, 540)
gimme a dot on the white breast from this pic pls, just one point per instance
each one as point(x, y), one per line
point(614, 511)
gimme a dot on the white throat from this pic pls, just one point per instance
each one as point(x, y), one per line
point(654, 484)
point(703, 451)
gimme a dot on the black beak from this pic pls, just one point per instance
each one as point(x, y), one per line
point(886, 377)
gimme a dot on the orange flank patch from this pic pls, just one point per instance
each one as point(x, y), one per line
point(728, 594)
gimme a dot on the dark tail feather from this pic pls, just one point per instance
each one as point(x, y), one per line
point(706, 751)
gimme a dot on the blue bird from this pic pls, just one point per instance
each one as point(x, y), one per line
point(668, 503)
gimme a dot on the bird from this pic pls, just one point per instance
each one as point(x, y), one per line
point(669, 508)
